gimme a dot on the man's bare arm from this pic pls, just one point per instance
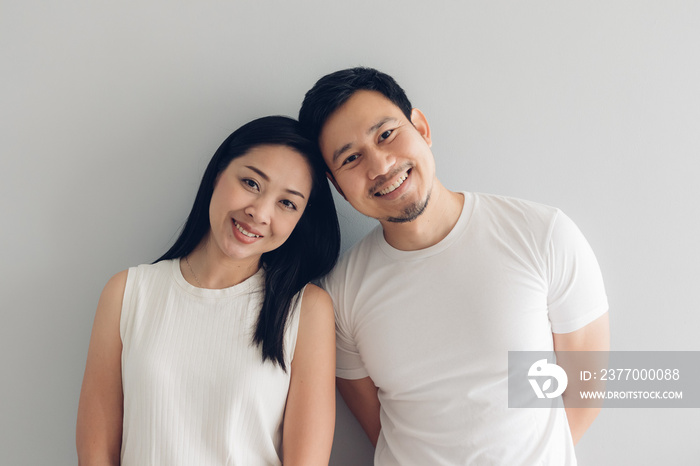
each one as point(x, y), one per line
point(593, 337)
point(361, 397)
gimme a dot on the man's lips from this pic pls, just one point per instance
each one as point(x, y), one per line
point(382, 189)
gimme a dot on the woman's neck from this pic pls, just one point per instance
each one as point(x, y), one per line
point(207, 267)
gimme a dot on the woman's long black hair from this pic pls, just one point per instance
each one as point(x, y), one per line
point(310, 251)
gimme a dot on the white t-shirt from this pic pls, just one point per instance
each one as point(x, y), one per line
point(433, 328)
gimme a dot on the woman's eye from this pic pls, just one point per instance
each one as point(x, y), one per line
point(251, 184)
point(289, 204)
point(385, 134)
point(352, 158)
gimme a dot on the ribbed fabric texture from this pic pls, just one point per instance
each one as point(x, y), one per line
point(195, 389)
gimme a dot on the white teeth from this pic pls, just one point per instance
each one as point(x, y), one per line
point(398, 183)
point(248, 234)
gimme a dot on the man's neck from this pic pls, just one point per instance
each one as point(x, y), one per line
point(431, 227)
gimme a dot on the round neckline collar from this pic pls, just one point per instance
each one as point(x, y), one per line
point(459, 228)
point(252, 283)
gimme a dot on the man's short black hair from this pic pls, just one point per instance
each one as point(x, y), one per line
point(332, 90)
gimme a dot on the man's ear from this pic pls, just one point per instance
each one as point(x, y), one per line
point(421, 124)
point(337, 188)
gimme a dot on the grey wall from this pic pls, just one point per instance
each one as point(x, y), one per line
point(109, 113)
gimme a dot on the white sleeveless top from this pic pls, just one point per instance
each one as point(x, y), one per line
point(195, 389)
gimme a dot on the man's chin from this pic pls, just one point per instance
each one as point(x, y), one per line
point(411, 212)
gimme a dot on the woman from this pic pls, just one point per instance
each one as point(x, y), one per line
point(219, 352)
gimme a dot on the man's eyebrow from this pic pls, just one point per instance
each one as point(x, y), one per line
point(371, 130)
point(379, 124)
point(264, 176)
point(340, 151)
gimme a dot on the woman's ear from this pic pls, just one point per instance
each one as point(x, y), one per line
point(421, 124)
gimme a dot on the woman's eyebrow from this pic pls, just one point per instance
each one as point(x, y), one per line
point(264, 176)
point(259, 172)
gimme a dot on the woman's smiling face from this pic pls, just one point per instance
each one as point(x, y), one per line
point(258, 200)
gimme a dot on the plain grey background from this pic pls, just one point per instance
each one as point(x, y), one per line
point(110, 111)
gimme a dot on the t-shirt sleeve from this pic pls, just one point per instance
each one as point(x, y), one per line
point(348, 361)
point(576, 294)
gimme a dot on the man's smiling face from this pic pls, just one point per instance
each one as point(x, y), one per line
point(379, 160)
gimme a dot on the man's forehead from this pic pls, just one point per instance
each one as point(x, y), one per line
point(360, 115)
point(363, 111)
point(366, 103)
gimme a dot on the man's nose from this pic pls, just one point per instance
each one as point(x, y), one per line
point(379, 163)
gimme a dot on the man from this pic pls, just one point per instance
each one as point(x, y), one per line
point(429, 303)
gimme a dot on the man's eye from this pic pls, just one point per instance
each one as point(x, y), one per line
point(350, 159)
point(385, 134)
